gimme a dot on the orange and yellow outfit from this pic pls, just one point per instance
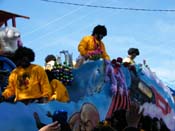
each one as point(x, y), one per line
point(28, 83)
point(60, 92)
point(89, 44)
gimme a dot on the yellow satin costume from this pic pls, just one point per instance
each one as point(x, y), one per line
point(89, 43)
point(59, 91)
point(28, 83)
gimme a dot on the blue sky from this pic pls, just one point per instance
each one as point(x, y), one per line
point(53, 27)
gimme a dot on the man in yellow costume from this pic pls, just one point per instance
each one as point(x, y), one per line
point(129, 60)
point(27, 82)
point(91, 47)
point(59, 91)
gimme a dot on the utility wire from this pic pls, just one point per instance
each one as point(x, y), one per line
point(59, 29)
point(111, 7)
point(52, 21)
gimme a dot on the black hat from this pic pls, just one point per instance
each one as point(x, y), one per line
point(24, 52)
point(133, 51)
point(49, 58)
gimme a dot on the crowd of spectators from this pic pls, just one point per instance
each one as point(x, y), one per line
point(87, 119)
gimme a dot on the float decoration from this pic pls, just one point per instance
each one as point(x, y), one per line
point(63, 71)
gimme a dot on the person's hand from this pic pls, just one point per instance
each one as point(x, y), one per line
point(55, 126)
point(133, 115)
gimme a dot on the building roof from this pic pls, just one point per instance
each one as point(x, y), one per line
point(5, 16)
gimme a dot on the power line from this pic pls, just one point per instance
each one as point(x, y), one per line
point(111, 7)
point(53, 21)
point(53, 31)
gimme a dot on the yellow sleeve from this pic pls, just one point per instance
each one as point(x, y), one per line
point(60, 91)
point(82, 46)
point(10, 89)
point(104, 55)
point(44, 82)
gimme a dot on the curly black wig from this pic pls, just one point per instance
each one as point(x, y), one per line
point(100, 29)
point(49, 58)
point(24, 52)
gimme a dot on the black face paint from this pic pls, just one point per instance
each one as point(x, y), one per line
point(100, 36)
point(23, 62)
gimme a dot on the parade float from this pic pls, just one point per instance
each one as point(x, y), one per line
point(86, 83)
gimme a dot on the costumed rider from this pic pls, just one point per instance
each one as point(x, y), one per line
point(91, 47)
point(50, 62)
point(59, 91)
point(27, 82)
point(129, 60)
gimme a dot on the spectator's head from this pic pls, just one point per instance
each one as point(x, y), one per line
point(146, 123)
point(118, 119)
point(102, 127)
point(99, 31)
point(156, 124)
point(24, 56)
